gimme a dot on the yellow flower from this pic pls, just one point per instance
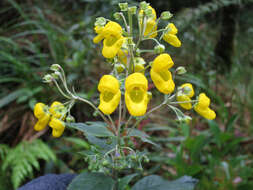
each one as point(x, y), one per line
point(136, 96)
point(58, 110)
point(42, 115)
point(151, 26)
point(184, 95)
point(57, 126)
point(170, 36)
point(109, 89)
point(160, 74)
point(202, 107)
point(111, 33)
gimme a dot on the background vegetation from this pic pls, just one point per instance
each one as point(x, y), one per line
point(217, 51)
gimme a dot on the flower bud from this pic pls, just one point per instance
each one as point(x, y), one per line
point(116, 16)
point(166, 15)
point(70, 119)
point(47, 78)
point(119, 67)
point(100, 21)
point(123, 6)
point(132, 10)
point(159, 49)
point(149, 12)
point(138, 53)
point(181, 70)
point(149, 95)
point(144, 5)
point(55, 67)
point(105, 163)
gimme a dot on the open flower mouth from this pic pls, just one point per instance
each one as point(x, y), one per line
point(107, 96)
point(165, 75)
point(111, 40)
point(136, 94)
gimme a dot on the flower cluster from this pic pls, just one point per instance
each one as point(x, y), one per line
point(53, 116)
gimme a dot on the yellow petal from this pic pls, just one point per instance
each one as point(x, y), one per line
point(205, 112)
point(172, 40)
point(108, 83)
point(109, 94)
point(151, 28)
point(153, 13)
point(189, 93)
point(39, 110)
point(112, 29)
point(98, 38)
point(136, 80)
point(163, 81)
point(172, 28)
point(122, 56)
point(184, 98)
point(58, 110)
point(111, 46)
point(109, 102)
point(57, 126)
point(136, 96)
point(203, 101)
point(42, 122)
point(162, 62)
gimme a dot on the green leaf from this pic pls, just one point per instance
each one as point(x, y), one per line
point(123, 182)
point(143, 136)
point(102, 143)
point(97, 129)
point(11, 97)
point(91, 181)
point(155, 182)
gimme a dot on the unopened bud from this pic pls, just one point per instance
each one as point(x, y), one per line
point(70, 119)
point(56, 74)
point(100, 21)
point(144, 5)
point(130, 41)
point(116, 16)
point(123, 6)
point(166, 15)
point(187, 119)
point(132, 10)
point(55, 67)
point(47, 78)
point(138, 52)
point(159, 49)
point(149, 96)
point(181, 70)
point(119, 67)
point(149, 12)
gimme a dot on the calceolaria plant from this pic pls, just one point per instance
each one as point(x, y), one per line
point(124, 98)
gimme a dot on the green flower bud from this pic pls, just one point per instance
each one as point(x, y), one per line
point(149, 95)
point(138, 53)
point(116, 16)
point(139, 61)
point(159, 49)
point(132, 10)
point(149, 12)
point(144, 5)
point(166, 15)
point(70, 119)
point(181, 70)
point(105, 163)
point(119, 67)
point(123, 6)
point(100, 21)
point(47, 78)
point(55, 67)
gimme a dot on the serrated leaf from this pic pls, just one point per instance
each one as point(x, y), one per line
point(155, 182)
point(94, 130)
point(91, 181)
point(101, 143)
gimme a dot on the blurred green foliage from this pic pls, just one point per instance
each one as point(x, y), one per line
point(36, 34)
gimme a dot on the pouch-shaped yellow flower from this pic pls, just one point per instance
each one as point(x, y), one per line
point(185, 95)
point(122, 56)
point(109, 89)
point(136, 96)
point(58, 110)
point(170, 36)
point(151, 26)
point(111, 33)
point(160, 74)
point(57, 126)
point(202, 107)
point(42, 115)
